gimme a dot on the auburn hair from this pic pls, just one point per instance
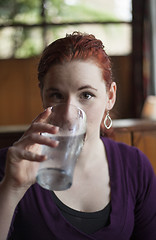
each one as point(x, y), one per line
point(75, 46)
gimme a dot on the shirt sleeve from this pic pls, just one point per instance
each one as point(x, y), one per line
point(145, 208)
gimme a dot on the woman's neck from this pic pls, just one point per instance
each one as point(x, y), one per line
point(93, 152)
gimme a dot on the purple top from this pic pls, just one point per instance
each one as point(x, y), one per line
point(133, 202)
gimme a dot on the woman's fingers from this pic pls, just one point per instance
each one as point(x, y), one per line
point(39, 125)
point(42, 127)
point(34, 133)
point(19, 155)
point(43, 115)
point(28, 147)
point(24, 156)
point(31, 156)
point(34, 138)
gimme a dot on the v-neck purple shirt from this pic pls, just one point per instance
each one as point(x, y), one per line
point(133, 203)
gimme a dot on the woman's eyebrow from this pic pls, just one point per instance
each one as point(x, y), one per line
point(52, 89)
point(87, 86)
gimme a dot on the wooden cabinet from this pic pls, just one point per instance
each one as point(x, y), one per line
point(138, 133)
point(134, 132)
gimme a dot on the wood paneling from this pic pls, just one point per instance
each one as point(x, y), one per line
point(122, 136)
point(139, 133)
point(20, 96)
point(146, 142)
point(122, 75)
point(19, 93)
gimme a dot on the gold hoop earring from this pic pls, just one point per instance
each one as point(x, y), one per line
point(108, 121)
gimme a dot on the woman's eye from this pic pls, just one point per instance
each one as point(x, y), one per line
point(56, 96)
point(87, 95)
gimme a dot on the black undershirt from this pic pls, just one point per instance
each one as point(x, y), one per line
point(88, 222)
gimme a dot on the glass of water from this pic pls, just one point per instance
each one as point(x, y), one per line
point(56, 172)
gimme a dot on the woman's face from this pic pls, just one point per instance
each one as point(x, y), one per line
point(79, 83)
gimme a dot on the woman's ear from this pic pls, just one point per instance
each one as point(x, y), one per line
point(111, 96)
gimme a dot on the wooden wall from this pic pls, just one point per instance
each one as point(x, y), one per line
point(19, 93)
point(20, 97)
point(122, 74)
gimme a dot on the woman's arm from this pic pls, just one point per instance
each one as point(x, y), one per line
point(21, 167)
point(9, 199)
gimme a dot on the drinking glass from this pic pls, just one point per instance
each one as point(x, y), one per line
point(56, 172)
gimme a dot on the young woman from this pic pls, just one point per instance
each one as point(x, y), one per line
point(114, 187)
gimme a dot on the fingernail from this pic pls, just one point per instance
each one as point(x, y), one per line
point(56, 128)
point(57, 143)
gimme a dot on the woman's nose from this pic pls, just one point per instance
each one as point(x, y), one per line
point(69, 115)
point(68, 110)
point(71, 101)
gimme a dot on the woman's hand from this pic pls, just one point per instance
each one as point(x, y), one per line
point(24, 156)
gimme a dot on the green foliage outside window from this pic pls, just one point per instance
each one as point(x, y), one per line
point(22, 33)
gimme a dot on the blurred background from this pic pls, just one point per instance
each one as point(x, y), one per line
point(126, 27)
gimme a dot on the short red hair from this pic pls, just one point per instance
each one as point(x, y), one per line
point(75, 46)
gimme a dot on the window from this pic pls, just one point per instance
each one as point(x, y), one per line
point(27, 26)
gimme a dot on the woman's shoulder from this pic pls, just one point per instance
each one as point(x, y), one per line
point(132, 167)
point(124, 149)
point(129, 156)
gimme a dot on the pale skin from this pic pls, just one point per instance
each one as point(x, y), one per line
point(79, 83)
